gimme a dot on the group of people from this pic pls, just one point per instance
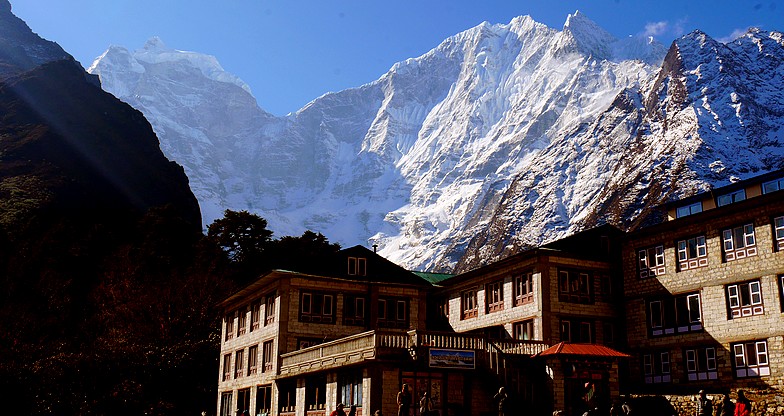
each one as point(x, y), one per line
point(741, 406)
point(404, 402)
point(351, 412)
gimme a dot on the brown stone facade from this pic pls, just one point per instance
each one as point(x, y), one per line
point(707, 313)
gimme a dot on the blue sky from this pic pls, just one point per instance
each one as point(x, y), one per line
point(293, 51)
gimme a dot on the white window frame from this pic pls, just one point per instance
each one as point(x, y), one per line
point(357, 266)
point(731, 198)
point(651, 262)
point(738, 309)
point(656, 371)
point(693, 370)
point(773, 186)
point(687, 210)
point(692, 253)
point(659, 310)
point(739, 242)
point(742, 353)
point(778, 232)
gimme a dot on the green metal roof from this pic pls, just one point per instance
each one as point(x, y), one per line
point(434, 278)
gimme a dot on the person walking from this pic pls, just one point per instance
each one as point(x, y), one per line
point(704, 405)
point(425, 405)
point(742, 405)
point(338, 410)
point(501, 397)
point(726, 407)
point(403, 401)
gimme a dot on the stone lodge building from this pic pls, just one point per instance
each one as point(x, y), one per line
point(692, 303)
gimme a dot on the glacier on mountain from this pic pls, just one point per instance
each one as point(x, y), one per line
point(502, 137)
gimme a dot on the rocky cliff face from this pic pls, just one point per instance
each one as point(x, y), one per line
point(503, 136)
point(67, 147)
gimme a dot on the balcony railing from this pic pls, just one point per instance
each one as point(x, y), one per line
point(372, 344)
point(354, 348)
point(474, 342)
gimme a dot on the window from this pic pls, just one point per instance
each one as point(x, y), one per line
point(225, 405)
point(751, 359)
point(688, 210)
point(255, 315)
point(468, 304)
point(656, 367)
point(773, 186)
point(731, 197)
point(269, 309)
point(604, 287)
point(574, 286)
point(303, 343)
point(266, 356)
point(739, 242)
point(351, 389)
point(239, 363)
point(701, 364)
point(226, 367)
point(576, 331)
point(316, 307)
point(443, 308)
point(744, 299)
point(354, 310)
point(242, 321)
point(651, 262)
point(781, 291)
point(608, 333)
point(253, 359)
point(315, 393)
point(672, 315)
point(263, 400)
point(524, 288)
point(494, 296)
point(523, 331)
point(357, 266)
point(229, 326)
point(392, 312)
point(287, 400)
point(692, 253)
point(778, 232)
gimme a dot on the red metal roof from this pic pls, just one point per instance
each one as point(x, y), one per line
point(565, 348)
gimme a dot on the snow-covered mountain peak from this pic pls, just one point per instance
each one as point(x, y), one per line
point(501, 137)
point(155, 44)
point(155, 51)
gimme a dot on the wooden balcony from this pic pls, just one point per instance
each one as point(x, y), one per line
point(352, 349)
point(373, 345)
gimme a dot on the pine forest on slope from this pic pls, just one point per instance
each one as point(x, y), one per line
point(500, 138)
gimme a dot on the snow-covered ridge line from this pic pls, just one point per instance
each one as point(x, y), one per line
point(501, 137)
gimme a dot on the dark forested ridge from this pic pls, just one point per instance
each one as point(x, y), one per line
point(106, 281)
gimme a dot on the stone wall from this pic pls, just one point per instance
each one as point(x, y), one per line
point(768, 402)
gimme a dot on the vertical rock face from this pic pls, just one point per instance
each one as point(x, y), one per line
point(501, 137)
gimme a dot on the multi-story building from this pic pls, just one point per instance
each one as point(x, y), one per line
point(692, 303)
point(566, 291)
point(703, 292)
point(270, 363)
